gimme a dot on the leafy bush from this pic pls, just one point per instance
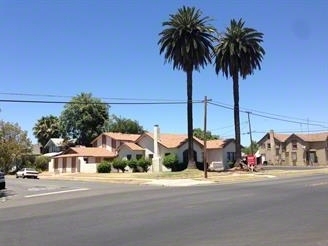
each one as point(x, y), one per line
point(41, 163)
point(133, 164)
point(104, 167)
point(171, 161)
point(144, 164)
point(119, 164)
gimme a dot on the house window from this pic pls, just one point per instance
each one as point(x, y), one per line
point(283, 147)
point(113, 143)
point(150, 156)
point(98, 159)
point(138, 156)
point(73, 162)
point(85, 159)
point(294, 156)
point(294, 144)
point(103, 141)
point(268, 146)
point(231, 156)
point(128, 157)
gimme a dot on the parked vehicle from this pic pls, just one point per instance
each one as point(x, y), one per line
point(2, 181)
point(27, 173)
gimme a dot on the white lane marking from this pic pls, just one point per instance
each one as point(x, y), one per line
point(318, 184)
point(55, 192)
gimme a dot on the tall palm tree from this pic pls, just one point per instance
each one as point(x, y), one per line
point(238, 53)
point(187, 42)
point(47, 127)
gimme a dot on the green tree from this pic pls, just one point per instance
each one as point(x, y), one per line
point(199, 133)
point(14, 145)
point(47, 127)
point(84, 118)
point(253, 147)
point(238, 53)
point(186, 42)
point(123, 125)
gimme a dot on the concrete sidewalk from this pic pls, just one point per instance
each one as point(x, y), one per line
point(191, 178)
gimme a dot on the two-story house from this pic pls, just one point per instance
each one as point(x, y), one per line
point(294, 149)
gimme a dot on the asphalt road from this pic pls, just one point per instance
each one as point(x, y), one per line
point(275, 212)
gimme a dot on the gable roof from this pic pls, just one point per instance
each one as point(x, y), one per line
point(307, 137)
point(56, 141)
point(87, 152)
point(314, 137)
point(119, 136)
point(218, 143)
point(131, 146)
point(278, 136)
point(281, 137)
point(168, 140)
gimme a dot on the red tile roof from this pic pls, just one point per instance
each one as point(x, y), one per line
point(87, 152)
point(122, 136)
point(132, 146)
point(170, 140)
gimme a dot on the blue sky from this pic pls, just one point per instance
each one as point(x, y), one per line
point(53, 50)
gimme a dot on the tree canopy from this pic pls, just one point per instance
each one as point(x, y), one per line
point(47, 127)
point(84, 118)
point(14, 145)
point(199, 133)
point(124, 125)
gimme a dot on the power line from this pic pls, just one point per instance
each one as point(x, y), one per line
point(106, 103)
point(307, 122)
point(106, 98)
point(245, 110)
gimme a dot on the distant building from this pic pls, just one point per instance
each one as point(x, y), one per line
point(294, 149)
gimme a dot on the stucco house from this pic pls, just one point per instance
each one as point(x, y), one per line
point(294, 149)
point(152, 146)
point(80, 159)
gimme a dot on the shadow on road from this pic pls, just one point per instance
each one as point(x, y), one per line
point(6, 193)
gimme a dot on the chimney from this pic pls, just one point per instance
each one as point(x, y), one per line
point(273, 147)
point(156, 139)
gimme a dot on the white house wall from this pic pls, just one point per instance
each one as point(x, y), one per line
point(214, 155)
point(147, 143)
point(199, 150)
point(124, 152)
point(231, 147)
point(88, 167)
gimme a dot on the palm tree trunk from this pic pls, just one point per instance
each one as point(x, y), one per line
point(236, 117)
point(191, 161)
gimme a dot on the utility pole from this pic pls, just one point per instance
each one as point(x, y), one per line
point(205, 137)
point(250, 132)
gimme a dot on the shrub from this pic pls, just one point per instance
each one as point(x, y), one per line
point(144, 164)
point(42, 162)
point(104, 167)
point(133, 164)
point(119, 164)
point(171, 161)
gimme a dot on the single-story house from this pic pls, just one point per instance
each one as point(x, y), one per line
point(152, 146)
point(294, 149)
point(80, 159)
